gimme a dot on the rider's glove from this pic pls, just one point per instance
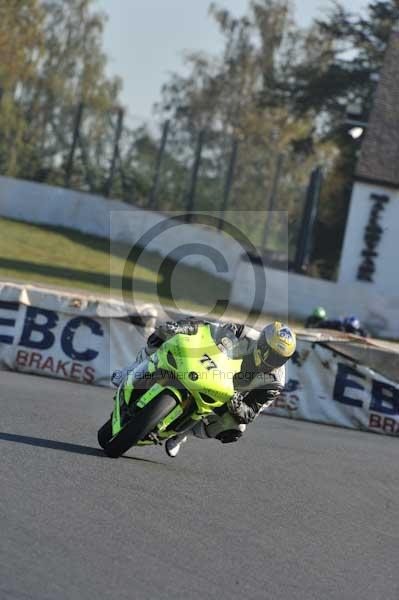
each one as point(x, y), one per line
point(167, 330)
point(236, 406)
point(243, 408)
point(186, 327)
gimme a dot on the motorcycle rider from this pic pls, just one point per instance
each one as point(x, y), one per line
point(260, 380)
point(352, 325)
point(317, 317)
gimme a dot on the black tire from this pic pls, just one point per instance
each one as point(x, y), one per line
point(105, 433)
point(145, 422)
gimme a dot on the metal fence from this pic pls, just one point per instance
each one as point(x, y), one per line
point(146, 183)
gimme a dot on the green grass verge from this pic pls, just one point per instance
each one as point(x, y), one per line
point(63, 257)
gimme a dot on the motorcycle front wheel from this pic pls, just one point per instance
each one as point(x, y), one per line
point(143, 423)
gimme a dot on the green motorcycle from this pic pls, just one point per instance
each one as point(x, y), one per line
point(187, 378)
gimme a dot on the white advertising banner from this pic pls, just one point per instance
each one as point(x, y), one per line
point(66, 337)
point(83, 339)
point(326, 387)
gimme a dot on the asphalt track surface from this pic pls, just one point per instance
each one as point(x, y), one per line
point(292, 511)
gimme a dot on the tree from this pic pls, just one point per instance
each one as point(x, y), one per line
point(225, 95)
point(335, 66)
point(21, 48)
point(73, 71)
point(52, 61)
point(274, 88)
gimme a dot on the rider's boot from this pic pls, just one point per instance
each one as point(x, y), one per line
point(173, 445)
point(225, 429)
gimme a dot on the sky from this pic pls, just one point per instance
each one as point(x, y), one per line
point(146, 40)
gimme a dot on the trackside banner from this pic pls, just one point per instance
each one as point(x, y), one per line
point(84, 339)
point(76, 339)
point(326, 387)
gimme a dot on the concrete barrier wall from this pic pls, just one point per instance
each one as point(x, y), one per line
point(286, 293)
point(119, 222)
point(297, 295)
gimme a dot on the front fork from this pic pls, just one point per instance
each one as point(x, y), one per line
point(122, 400)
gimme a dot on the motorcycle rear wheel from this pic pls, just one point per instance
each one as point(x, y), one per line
point(143, 424)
